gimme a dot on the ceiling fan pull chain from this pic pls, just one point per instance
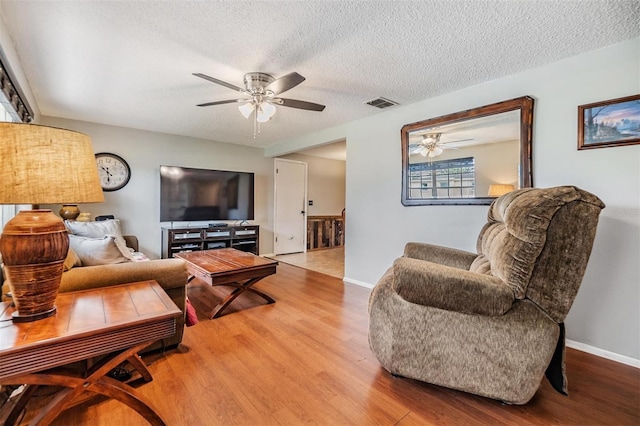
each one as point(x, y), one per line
point(255, 121)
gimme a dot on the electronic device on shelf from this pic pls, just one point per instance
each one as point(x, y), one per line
point(218, 225)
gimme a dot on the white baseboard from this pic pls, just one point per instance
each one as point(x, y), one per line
point(356, 282)
point(267, 254)
point(623, 359)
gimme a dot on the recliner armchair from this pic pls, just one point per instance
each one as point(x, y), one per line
point(489, 323)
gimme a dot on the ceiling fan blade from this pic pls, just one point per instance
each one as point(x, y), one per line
point(220, 82)
point(294, 103)
point(285, 83)
point(228, 101)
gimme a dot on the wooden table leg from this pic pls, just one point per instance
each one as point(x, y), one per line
point(263, 295)
point(240, 287)
point(12, 410)
point(97, 382)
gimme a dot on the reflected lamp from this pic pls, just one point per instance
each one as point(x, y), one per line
point(496, 190)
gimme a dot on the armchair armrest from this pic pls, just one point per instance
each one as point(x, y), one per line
point(437, 254)
point(452, 289)
point(169, 273)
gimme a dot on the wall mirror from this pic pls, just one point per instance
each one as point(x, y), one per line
point(468, 157)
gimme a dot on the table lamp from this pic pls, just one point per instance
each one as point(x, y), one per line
point(497, 190)
point(41, 165)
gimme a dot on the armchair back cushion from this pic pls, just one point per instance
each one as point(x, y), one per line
point(538, 247)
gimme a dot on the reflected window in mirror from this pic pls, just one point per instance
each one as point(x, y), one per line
point(443, 178)
point(466, 157)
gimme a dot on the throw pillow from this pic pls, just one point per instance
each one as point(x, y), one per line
point(101, 229)
point(94, 229)
point(97, 251)
point(71, 260)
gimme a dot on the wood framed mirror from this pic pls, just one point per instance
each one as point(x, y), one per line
point(468, 157)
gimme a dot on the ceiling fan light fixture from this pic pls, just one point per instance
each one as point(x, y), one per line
point(265, 112)
point(435, 152)
point(246, 109)
point(431, 138)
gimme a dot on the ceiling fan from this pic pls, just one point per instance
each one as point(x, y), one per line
point(431, 146)
point(261, 95)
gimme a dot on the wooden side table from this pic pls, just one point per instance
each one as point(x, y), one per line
point(119, 321)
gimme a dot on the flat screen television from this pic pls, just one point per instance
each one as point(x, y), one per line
point(188, 194)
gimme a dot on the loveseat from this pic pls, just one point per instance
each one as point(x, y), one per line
point(171, 274)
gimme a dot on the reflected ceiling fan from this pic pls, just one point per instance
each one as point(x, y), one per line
point(260, 95)
point(431, 146)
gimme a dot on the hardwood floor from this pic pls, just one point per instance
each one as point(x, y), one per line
point(306, 360)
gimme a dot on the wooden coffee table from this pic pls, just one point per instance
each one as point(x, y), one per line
point(229, 267)
point(119, 321)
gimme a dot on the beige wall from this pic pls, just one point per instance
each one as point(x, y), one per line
point(325, 184)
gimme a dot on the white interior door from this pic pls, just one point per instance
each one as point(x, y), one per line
point(290, 224)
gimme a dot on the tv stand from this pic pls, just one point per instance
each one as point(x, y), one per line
point(180, 240)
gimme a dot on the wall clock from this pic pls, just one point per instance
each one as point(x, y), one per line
point(114, 172)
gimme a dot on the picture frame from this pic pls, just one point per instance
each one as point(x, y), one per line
point(615, 122)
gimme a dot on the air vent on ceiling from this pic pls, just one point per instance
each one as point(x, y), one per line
point(381, 103)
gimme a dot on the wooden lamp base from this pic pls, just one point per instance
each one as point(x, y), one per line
point(17, 317)
point(34, 245)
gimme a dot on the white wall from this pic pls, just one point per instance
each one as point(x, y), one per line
point(605, 314)
point(326, 184)
point(137, 205)
point(6, 45)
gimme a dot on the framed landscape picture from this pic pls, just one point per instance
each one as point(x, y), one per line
point(615, 122)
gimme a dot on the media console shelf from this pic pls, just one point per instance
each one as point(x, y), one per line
point(180, 240)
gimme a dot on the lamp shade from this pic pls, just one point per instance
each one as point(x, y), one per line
point(47, 165)
point(497, 190)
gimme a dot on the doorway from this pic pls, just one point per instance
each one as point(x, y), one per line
point(326, 200)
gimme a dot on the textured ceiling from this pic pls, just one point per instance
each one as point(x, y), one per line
point(130, 63)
